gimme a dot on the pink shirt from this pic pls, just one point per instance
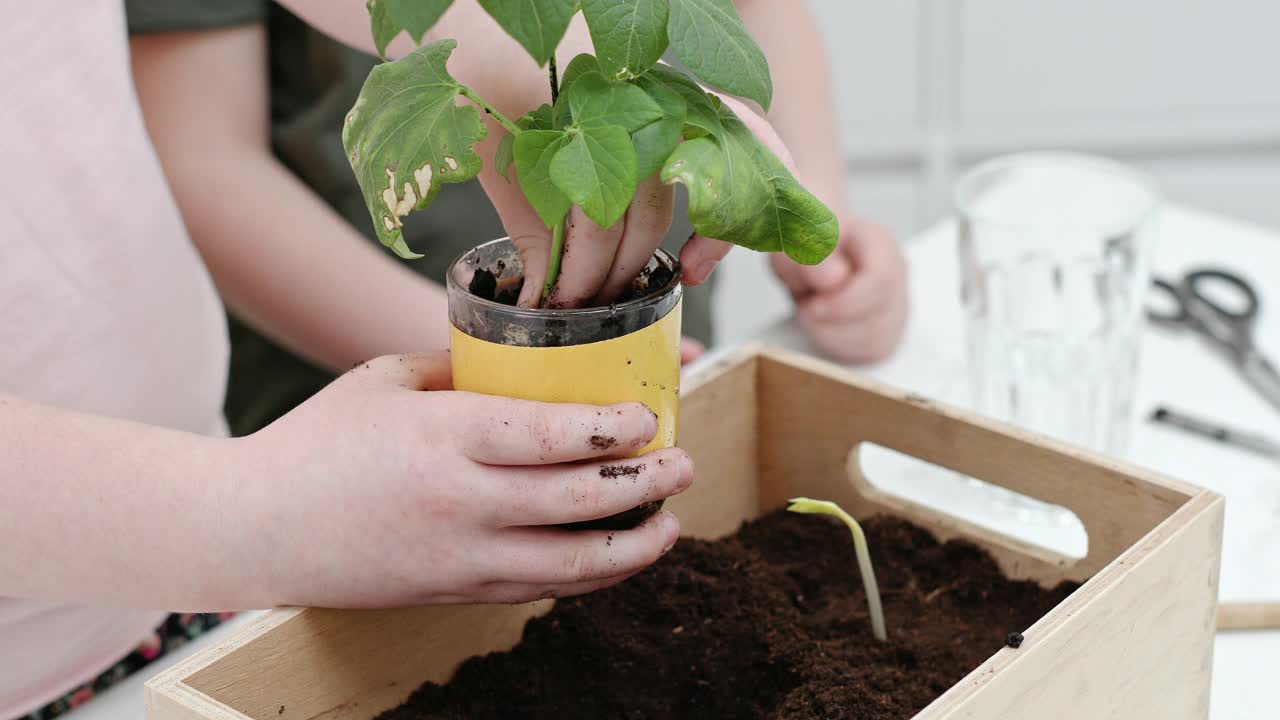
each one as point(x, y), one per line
point(105, 305)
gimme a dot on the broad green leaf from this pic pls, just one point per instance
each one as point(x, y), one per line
point(700, 108)
point(390, 17)
point(416, 16)
point(538, 25)
point(580, 65)
point(596, 102)
point(693, 132)
point(597, 170)
point(655, 141)
point(384, 28)
point(629, 36)
point(710, 39)
point(405, 136)
point(739, 192)
point(534, 153)
point(539, 119)
point(577, 67)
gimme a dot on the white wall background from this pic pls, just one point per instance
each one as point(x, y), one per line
point(1187, 90)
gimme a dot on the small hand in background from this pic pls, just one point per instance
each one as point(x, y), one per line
point(690, 350)
point(854, 303)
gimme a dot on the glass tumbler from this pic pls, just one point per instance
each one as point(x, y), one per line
point(1054, 253)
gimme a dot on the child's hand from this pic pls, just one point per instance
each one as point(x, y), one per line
point(379, 494)
point(599, 263)
point(690, 350)
point(854, 303)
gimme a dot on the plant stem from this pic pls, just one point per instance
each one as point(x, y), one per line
point(555, 80)
point(868, 579)
point(553, 265)
point(825, 507)
point(502, 120)
point(557, 233)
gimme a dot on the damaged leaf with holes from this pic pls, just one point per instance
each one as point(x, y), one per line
point(405, 137)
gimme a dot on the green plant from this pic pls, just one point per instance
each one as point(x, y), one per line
point(825, 507)
point(612, 120)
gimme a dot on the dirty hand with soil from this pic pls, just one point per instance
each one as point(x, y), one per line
point(451, 497)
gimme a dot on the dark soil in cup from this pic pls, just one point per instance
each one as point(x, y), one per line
point(649, 279)
point(770, 622)
point(490, 283)
point(485, 284)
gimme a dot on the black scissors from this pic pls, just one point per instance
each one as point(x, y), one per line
point(1227, 329)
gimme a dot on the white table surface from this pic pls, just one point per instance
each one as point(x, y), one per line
point(1175, 371)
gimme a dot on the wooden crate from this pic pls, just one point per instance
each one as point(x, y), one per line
point(1135, 641)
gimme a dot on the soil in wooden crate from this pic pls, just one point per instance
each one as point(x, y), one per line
point(770, 622)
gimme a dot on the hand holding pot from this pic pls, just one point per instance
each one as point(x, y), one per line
point(379, 494)
point(854, 303)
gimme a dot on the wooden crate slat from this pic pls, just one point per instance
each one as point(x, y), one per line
point(1134, 641)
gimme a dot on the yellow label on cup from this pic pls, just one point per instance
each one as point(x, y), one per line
point(643, 366)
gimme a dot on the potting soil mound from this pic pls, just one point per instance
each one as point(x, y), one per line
point(770, 622)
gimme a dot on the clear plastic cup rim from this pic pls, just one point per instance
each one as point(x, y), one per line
point(655, 297)
point(968, 184)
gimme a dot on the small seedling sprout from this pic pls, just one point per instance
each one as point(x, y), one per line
point(825, 507)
